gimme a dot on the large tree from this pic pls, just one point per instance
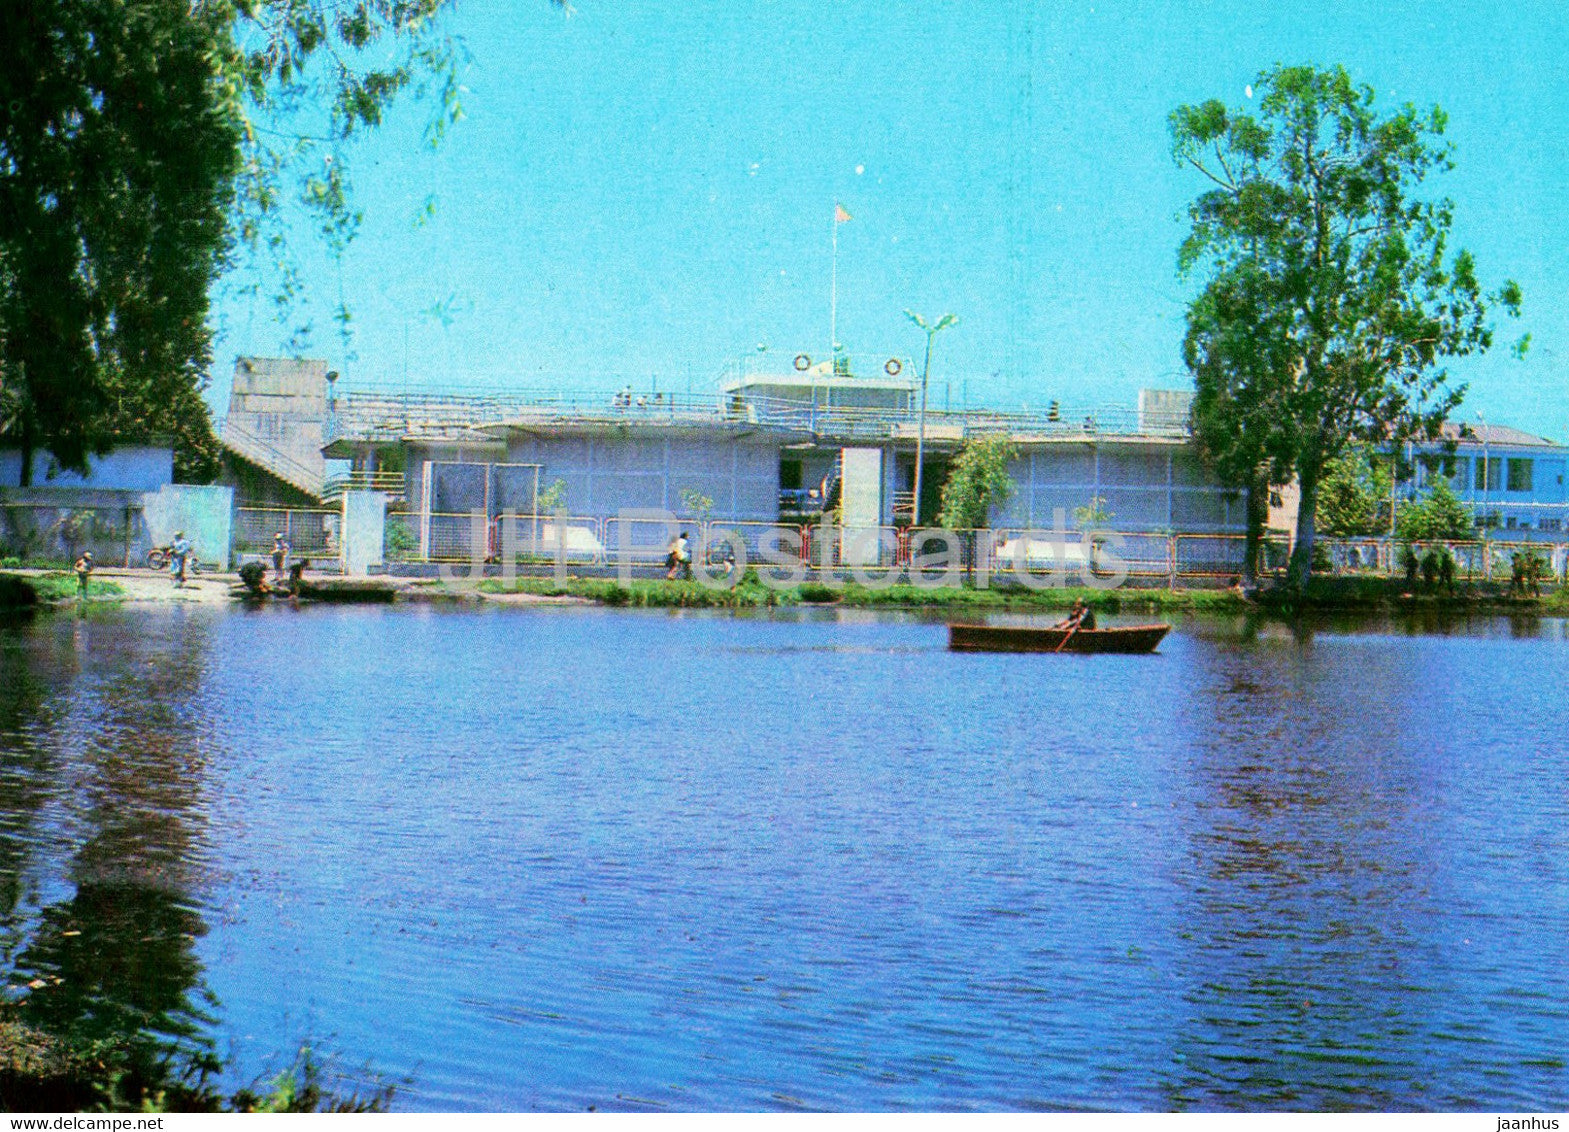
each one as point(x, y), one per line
point(1317, 200)
point(143, 145)
point(1239, 363)
point(117, 163)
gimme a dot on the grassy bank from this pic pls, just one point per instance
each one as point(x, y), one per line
point(752, 594)
point(1322, 594)
point(41, 1072)
point(19, 592)
point(1354, 594)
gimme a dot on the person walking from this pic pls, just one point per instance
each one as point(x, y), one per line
point(179, 551)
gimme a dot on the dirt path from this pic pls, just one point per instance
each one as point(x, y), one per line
point(148, 585)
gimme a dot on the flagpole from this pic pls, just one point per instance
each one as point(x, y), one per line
point(833, 296)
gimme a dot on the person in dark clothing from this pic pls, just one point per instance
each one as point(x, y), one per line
point(1080, 616)
point(254, 577)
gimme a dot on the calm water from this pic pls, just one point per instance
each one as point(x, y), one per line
point(565, 858)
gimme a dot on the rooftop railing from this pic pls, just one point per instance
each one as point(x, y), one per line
point(374, 417)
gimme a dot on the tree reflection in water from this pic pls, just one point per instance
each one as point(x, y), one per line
point(100, 757)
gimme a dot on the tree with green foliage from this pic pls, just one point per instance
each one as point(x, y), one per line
point(551, 499)
point(978, 483)
point(145, 145)
point(1316, 218)
point(1353, 499)
point(1240, 363)
point(1437, 516)
point(117, 168)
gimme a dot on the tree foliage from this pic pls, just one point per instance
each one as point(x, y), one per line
point(1353, 498)
point(117, 163)
point(1439, 515)
point(1240, 359)
point(146, 147)
point(1332, 298)
point(977, 483)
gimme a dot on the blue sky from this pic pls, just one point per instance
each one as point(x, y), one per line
point(643, 190)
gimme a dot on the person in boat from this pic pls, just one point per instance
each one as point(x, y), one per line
point(1081, 616)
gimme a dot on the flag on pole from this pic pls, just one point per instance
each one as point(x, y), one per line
point(840, 215)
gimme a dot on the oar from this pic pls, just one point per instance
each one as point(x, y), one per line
point(1065, 640)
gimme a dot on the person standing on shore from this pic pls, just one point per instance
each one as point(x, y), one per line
point(179, 551)
point(84, 569)
point(280, 556)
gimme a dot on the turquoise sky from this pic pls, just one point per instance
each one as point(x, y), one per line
point(644, 190)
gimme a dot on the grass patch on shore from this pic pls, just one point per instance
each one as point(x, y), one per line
point(61, 586)
point(750, 593)
point(44, 1072)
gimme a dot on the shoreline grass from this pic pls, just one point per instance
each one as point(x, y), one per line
point(1322, 595)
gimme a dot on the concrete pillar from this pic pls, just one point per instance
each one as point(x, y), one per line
point(204, 513)
point(364, 530)
point(861, 504)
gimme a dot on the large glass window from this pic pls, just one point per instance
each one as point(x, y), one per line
point(1519, 474)
point(1489, 474)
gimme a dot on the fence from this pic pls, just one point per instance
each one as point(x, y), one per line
point(1000, 552)
point(310, 532)
point(1478, 559)
point(48, 532)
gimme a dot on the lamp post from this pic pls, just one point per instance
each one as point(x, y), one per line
point(931, 329)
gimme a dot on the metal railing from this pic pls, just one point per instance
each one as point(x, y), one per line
point(1000, 552)
point(383, 417)
point(310, 532)
point(392, 483)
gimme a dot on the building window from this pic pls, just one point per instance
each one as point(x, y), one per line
point(1519, 474)
point(1551, 525)
point(1489, 474)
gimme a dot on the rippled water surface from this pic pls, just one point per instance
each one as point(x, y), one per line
point(564, 858)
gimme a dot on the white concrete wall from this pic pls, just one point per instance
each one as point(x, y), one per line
point(608, 472)
point(1145, 487)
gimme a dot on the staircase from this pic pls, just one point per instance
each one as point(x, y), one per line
point(248, 446)
point(830, 486)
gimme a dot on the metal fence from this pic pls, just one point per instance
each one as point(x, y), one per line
point(313, 533)
point(1172, 557)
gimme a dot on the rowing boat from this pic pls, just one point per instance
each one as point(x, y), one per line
point(1012, 638)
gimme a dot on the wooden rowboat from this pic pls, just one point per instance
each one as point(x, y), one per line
point(1010, 638)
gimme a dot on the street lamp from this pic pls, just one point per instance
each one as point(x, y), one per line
point(931, 329)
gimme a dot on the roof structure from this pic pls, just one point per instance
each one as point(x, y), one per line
point(1465, 433)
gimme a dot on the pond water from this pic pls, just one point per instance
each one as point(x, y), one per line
point(579, 857)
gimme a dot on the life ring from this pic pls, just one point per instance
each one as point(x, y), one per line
point(893, 367)
point(803, 362)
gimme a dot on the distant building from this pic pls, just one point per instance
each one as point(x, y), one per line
point(770, 448)
point(1512, 480)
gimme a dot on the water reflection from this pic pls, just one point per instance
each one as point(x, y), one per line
point(102, 846)
point(629, 858)
point(1320, 887)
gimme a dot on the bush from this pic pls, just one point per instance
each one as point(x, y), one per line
point(816, 593)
